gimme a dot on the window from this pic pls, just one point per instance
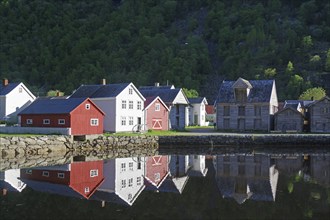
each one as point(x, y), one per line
point(226, 123)
point(241, 95)
point(123, 104)
point(157, 107)
point(130, 104)
point(45, 173)
point(138, 181)
point(139, 105)
point(93, 173)
point(46, 121)
point(326, 110)
point(123, 120)
point(61, 121)
point(94, 121)
point(129, 196)
point(20, 90)
point(60, 175)
point(29, 121)
point(257, 110)
point(130, 182)
point(86, 190)
point(123, 167)
point(241, 110)
point(130, 120)
point(130, 91)
point(123, 184)
point(130, 166)
point(157, 176)
point(88, 106)
point(28, 171)
point(226, 110)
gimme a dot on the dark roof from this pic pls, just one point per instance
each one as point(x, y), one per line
point(99, 91)
point(196, 100)
point(4, 90)
point(294, 103)
point(157, 87)
point(167, 95)
point(149, 100)
point(260, 92)
point(52, 106)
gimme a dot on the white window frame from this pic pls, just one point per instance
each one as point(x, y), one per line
point(86, 190)
point(94, 173)
point(130, 120)
point(60, 175)
point(45, 173)
point(94, 122)
point(29, 171)
point(139, 105)
point(123, 184)
point(123, 120)
point(61, 121)
point(130, 104)
point(44, 121)
point(130, 91)
point(157, 107)
point(87, 106)
point(20, 89)
point(123, 104)
point(123, 167)
point(157, 176)
point(29, 121)
point(130, 166)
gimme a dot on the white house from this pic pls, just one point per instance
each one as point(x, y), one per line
point(123, 180)
point(122, 104)
point(14, 97)
point(197, 111)
point(9, 181)
point(198, 167)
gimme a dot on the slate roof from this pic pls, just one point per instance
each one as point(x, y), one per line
point(4, 90)
point(167, 95)
point(99, 91)
point(260, 92)
point(196, 100)
point(157, 87)
point(52, 106)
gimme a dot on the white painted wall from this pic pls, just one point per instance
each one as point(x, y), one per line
point(199, 110)
point(11, 177)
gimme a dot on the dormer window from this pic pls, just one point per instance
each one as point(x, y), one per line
point(241, 95)
point(242, 89)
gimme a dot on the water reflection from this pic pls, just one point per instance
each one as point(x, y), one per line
point(238, 178)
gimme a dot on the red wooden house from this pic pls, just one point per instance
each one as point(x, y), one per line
point(156, 113)
point(78, 179)
point(156, 171)
point(81, 115)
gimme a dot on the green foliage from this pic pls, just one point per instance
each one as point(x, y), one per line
point(270, 72)
point(307, 42)
point(315, 93)
point(190, 93)
point(55, 93)
point(289, 68)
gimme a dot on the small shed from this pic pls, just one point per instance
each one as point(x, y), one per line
point(289, 119)
point(156, 113)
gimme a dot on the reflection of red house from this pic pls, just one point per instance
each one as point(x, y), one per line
point(156, 113)
point(156, 171)
point(80, 179)
point(79, 114)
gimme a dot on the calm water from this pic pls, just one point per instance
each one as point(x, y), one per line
point(173, 186)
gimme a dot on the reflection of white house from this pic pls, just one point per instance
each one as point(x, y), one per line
point(9, 181)
point(178, 178)
point(122, 104)
point(14, 97)
point(123, 181)
point(243, 177)
point(197, 111)
point(197, 163)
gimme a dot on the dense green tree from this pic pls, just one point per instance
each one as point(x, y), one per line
point(190, 93)
point(315, 93)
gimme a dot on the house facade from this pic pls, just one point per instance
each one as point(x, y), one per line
point(176, 101)
point(10, 181)
point(81, 115)
point(122, 104)
point(210, 114)
point(197, 111)
point(78, 179)
point(14, 97)
point(289, 119)
point(319, 115)
point(156, 114)
point(246, 105)
point(156, 171)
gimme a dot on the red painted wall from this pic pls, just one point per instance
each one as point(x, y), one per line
point(53, 178)
point(153, 115)
point(156, 164)
point(38, 120)
point(81, 120)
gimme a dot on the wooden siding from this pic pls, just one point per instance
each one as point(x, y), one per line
point(178, 116)
point(153, 116)
point(38, 120)
point(36, 175)
point(154, 165)
point(320, 116)
point(289, 119)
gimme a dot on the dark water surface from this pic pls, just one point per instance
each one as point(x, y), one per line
point(250, 185)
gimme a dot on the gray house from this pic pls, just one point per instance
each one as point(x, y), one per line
point(176, 101)
point(246, 105)
point(319, 115)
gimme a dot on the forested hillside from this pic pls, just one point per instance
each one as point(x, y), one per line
point(192, 44)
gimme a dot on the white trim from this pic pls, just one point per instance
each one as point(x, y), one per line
point(94, 173)
point(94, 122)
point(157, 107)
point(61, 121)
point(87, 106)
point(46, 121)
point(45, 173)
point(60, 175)
point(29, 121)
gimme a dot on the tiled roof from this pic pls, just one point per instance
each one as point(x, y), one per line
point(260, 92)
point(4, 90)
point(157, 87)
point(167, 95)
point(99, 91)
point(52, 106)
point(196, 100)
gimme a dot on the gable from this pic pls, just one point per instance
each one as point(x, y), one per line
point(242, 84)
point(180, 98)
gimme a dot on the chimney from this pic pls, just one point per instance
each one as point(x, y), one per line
point(157, 84)
point(5, 82)
point(104, 81)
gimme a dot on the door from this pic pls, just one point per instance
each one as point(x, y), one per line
point(196, 120)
